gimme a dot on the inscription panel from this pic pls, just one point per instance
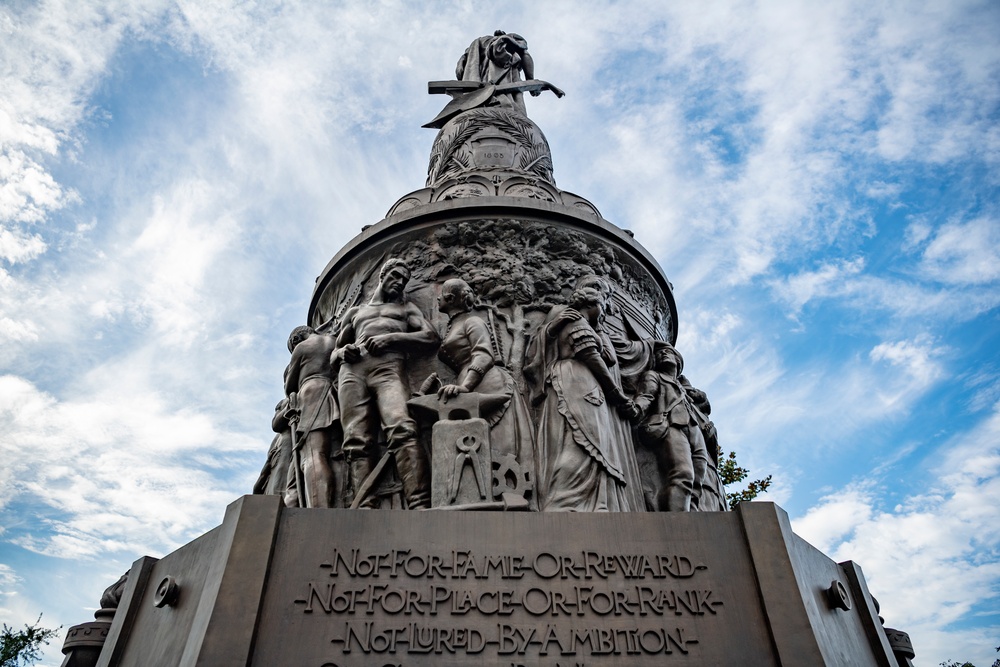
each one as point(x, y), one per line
point(435, 588)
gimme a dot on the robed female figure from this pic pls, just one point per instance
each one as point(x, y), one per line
point(585, 457)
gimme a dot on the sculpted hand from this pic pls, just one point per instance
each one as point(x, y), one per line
point(562, 319)
point(618, 398)
point(630, 411)
point(570, 315)
point(351, 353)
point(291, 415)
point(451, 391)
point(376, 345)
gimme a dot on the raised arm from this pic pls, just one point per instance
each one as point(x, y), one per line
point(419, 330)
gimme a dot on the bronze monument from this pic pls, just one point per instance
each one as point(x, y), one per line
point(494, 364)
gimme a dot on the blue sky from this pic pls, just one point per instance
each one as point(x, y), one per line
point(818, 180)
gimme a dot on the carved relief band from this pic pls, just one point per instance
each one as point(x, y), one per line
point(521, 256)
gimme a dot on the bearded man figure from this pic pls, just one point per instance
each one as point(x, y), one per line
point(371, 354)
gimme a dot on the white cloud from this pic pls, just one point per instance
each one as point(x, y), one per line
point(934, 48)
point(54, 53)
point(916, 233)
point(8, 583)
point(915, 357)
point(767, 405)
point(964, 253)
point(799, 289)
point(827, 525)
point(933, 559)
point(900, 299)
point(113, 472)
point(794, 94)
point(7, 576)
point(27, 191)
point(16, 246)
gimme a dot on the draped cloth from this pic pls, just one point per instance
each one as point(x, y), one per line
point(585, 456)
point(490, 60)
point(317, 404)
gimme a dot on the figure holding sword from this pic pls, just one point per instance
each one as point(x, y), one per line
point(489, 74)
point(312, 414)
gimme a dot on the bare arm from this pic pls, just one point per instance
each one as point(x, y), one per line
point(527, 65)
point(346, 349)
point(420, 330)
point(480, 362)
point(294, 368)
point(346, 335)
point(418, 334)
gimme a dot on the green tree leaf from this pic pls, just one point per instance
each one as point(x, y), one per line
point(731, 472)
point(22, 647)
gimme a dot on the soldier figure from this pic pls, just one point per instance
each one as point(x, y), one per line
point(671, 432)
point(273, 478)
point(713, 494)
point(310, 378)
point(371, 352)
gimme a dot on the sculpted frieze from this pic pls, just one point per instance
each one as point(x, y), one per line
point(500, 363)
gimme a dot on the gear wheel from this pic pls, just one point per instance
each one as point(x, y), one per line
point(509, 477)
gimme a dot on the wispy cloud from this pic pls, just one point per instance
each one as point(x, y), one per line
point(815, 179)
point(915, 357)
point(118, 471)
point(964, 253)
point(932, 560)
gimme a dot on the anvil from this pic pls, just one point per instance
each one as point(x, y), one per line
point(470, 405)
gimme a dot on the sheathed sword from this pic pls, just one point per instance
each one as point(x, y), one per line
point(292, 415)
point(473, 94)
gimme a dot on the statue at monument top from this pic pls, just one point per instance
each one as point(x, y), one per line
point(489, 74)
point(485, 130)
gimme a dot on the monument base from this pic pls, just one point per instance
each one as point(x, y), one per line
point(337, 588)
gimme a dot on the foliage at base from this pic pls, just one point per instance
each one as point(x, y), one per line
point(731, 472)
point(22, 647)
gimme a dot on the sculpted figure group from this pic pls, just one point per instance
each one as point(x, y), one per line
point(347, 411)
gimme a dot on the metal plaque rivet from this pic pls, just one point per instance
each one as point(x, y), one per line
point(166, 593)
point(838, 597)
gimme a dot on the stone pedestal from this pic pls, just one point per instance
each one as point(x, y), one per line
point(336, 588)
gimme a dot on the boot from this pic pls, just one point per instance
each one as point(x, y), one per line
point(415, 474)
point(674, 498)
point(360, 468)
